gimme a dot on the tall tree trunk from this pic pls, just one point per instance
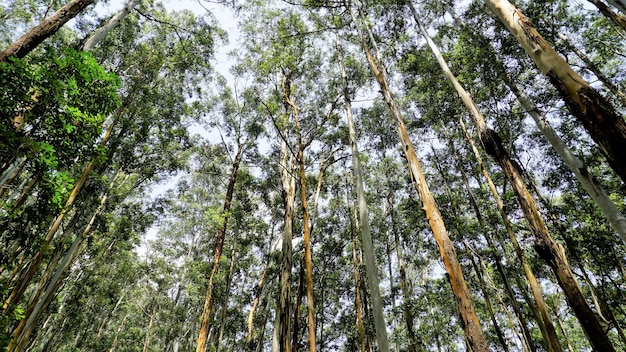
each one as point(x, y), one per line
point(99, 34)
point(42, 298)
point(29, 41)
point(258, 291)
point(414, 341)
point(527, 339)
point(371, 269)
point(308, 260)
point(469, 319)
point(229, 279)
point(481, 281)
point(217, 252)
point(155, 310)
point(357, 290)
point(593, 188)
point(282, 326)
point(295, 343)
point(473, 254)
point(545, 245)
point(547, 248)
point(605, 126)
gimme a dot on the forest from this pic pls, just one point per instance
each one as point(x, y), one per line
point(317, 175)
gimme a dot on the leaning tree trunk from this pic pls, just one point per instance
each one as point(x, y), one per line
point(469, 319)
point(219, 245)
point(593, 188)
point(371, 269)
point(99, 34)
point(545, 246)
point(29, 41)
point(552, 339)
point(596, 114)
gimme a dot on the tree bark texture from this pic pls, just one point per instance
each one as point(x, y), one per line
point(469, 319)
point(596, 114)
point(35, 36)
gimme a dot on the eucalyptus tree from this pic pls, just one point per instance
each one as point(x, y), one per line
point(594, 112)
point(466, 308)
point(244, 127)
point(364, 222)
point(35, 36)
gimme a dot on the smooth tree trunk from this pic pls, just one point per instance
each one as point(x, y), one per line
point(480, 274)
point(619, 4)
point(99, 34)
point(526, 336)
point(593, 188)
point(371, 268)
point(282, 326)
point(355, 266)
point(35, 36)
point(596, 114)
point(201, 342)
point(469, 319)
point(308, 260)
point(414, 341)
point(229, 279)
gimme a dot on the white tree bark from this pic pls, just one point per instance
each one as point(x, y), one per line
point(371, 269)
point(100, 33)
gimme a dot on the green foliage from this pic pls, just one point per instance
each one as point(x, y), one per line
point(53, 112)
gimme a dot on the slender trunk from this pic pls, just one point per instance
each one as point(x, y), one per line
point(481, 281)
point(29, 41)
point(545, 245)
point(618, 4)
point(593, 188)
point(308, 261)
point(99, 34)
point(469, 319)
point(155, 310)
point(414, 341)
point(295, 339)
point(258, 291)
point(357, 293)
point(593, 68)
point(117, 334)
point(527, 339)
point(39, 304)
point(282, 326)
point(229, 279)
point(568, 343)
point(371, 269)
point(605, 126)
point(473, 254)
point(217, 254)
point(10, 174)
